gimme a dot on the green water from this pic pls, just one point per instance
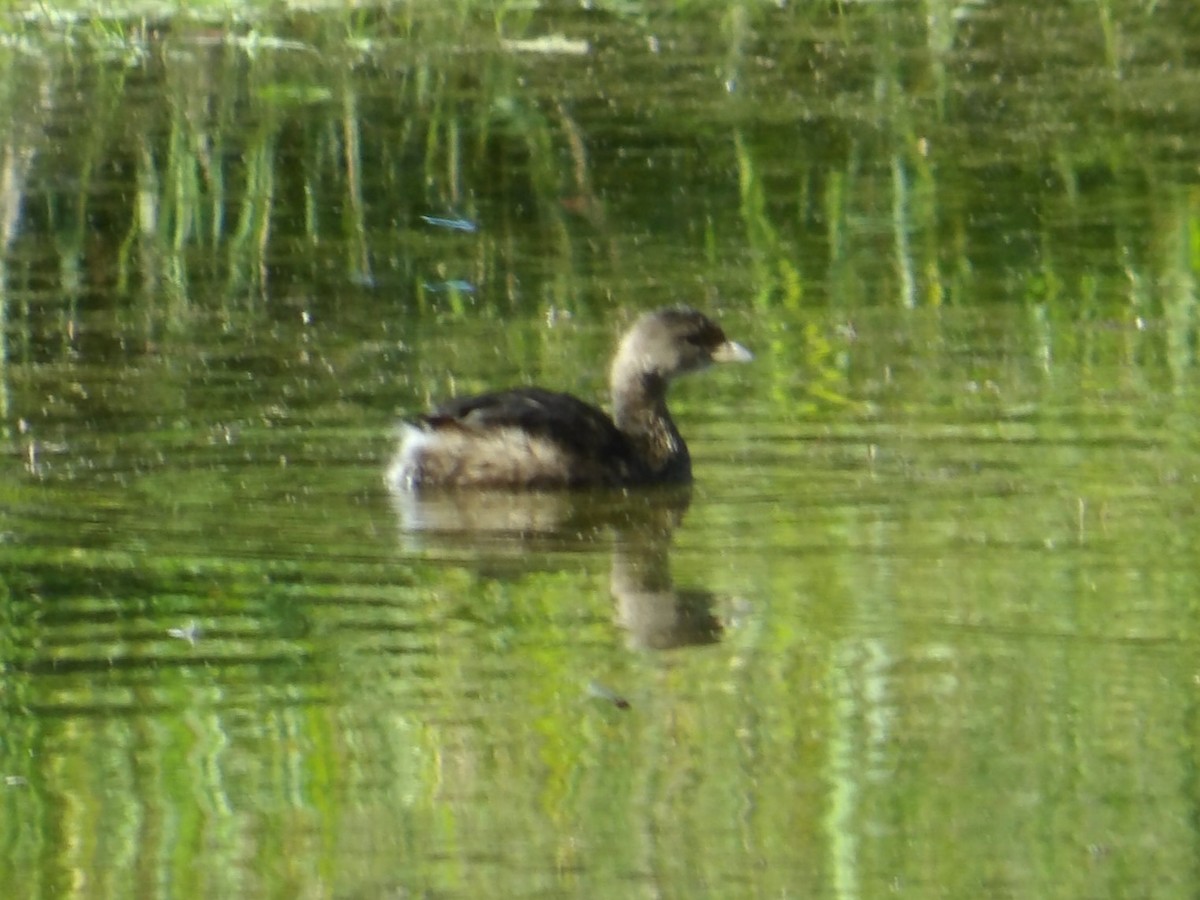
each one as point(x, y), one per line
point(926, 624)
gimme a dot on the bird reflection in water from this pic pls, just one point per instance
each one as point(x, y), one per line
point(498, 530)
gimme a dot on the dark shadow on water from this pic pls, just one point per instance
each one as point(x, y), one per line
point(505, 533)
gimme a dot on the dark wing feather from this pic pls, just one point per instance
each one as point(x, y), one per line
point(577, 426)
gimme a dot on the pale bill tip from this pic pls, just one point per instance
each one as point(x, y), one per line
point(732, 351)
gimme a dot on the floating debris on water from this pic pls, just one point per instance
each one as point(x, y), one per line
point(549, 45)
point(454, 223)
point(189, 632)
point(600, 692)
point(445, 287)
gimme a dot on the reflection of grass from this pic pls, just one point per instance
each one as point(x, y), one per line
point(257, 156)
point(235, 135)
point(221, 152)
point(777, 279)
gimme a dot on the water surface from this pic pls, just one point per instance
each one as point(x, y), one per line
point(925, 623)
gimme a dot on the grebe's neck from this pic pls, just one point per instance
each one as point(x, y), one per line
point(640, 412)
